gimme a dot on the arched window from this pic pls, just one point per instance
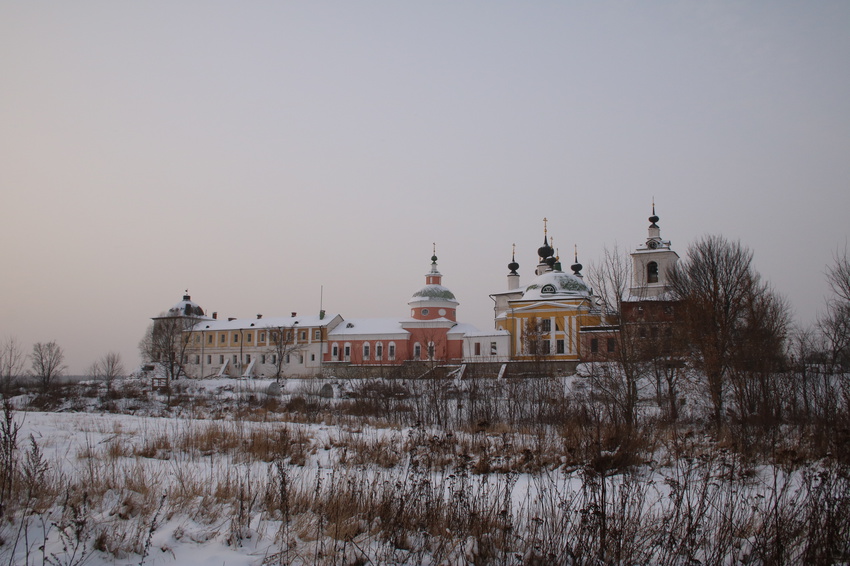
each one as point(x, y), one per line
point(366, 351)
point(548, 289)
point(417, 351)
point(652, 272)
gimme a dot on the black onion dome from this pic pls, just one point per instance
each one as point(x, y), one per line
point(545, 250)
point(513, 266)
point(434, 258)
point(576, 267)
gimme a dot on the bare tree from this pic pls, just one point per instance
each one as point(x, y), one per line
point(47, 363)
point(12, 361)
point(108, 369)
point(728, 315)
point(618, 382)
point(166, 343)
point(834, 324)
point(283, 342)
point(536, 344)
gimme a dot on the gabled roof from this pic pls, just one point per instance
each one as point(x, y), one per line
point(309, 321)
point(368, 327)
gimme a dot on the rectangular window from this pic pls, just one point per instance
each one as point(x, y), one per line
point(288, 335)
point(478, 348)
point(611, 344)
point(235, 359)
point(546, 325)
point(197, 359)
point(221, 359)
point(304, 335)
point(286, 359)
point(262, 336)
point(209, 359)
point(210, 339)
point(249, 337)
point(247, 358)
point(317, 334)
point(494, 348)
point(594, 345)
point(547, 346)
point(262, 358)
point(312, 357)
point(223, 338)
point(274, 359)
point(300, 358)
point(559, 344)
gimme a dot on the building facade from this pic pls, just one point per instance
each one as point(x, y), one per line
point(554, 318)
point(304, 346)
point(545, 317)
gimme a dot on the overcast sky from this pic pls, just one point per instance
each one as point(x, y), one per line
point(257, 152)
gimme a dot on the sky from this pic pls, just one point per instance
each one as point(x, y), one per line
point(273, 157)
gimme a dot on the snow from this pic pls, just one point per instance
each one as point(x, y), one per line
point(390, 327)
point(270, 322)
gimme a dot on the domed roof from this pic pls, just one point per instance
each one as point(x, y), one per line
point(186, 307)
point(556, 285)
point(433, 292)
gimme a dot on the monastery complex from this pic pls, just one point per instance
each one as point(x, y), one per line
point(555, 318)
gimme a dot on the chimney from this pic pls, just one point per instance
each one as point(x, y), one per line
point(259, 316)
point(215, 316)
point(294, 314)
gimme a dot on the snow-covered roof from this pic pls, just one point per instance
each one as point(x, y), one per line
point(471, 331)
point(269, 322)
point(186, 307)
point(556, 285)
point(433, 292)
point(368, 326)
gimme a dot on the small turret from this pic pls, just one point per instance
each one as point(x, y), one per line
point(576, 267)
point(513, 276)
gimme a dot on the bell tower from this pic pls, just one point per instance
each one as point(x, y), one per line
point(651, 263)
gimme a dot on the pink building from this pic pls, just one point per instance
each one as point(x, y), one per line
point(432, 333)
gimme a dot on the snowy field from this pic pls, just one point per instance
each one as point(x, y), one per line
point(228, 475)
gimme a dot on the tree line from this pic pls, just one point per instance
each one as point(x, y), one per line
point(730, 340)
point(47, 365)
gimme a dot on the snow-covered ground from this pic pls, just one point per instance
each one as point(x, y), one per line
point(201, 482)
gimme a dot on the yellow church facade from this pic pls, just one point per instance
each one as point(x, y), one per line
point(545, 317)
